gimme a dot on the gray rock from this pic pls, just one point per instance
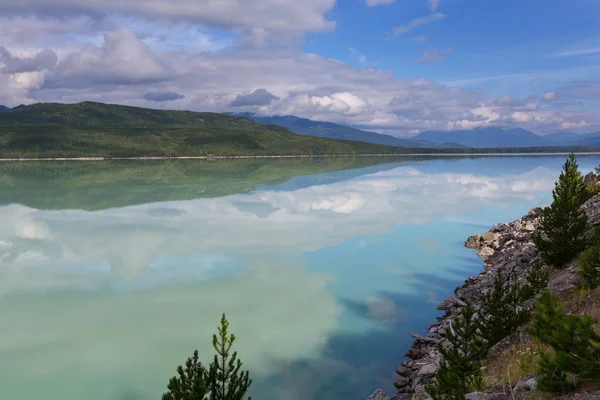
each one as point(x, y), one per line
point(378, 395)
point(402, 370)
point(528, 227)
point(485, 253)
point(591, 179)
point(479, 396)
point(474, 242)
point(526, 385)
point(489, 237)
point(428, 369)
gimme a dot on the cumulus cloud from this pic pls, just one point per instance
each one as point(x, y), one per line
point(260, 97)
point(123, 67)
point(415, 23)
point(163, 96)
point(122, 59)
point(434, 56)
point(256, 22)
point(45, 59)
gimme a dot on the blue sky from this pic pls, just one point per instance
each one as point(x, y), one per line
point(393, 66)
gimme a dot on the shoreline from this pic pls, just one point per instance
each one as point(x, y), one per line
point(508, 248)
point(144, 158)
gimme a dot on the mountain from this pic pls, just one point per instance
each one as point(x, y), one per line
point(331, 130)
point(3, 108)
point(107, 130)
point(560, 138)
point(486, 137)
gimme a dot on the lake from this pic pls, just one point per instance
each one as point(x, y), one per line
point(111, 274)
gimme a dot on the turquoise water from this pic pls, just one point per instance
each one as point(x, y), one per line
point(322, 277)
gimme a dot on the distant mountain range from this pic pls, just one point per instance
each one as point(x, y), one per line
point(330, 130)
point(494, 137)
point(509, 137)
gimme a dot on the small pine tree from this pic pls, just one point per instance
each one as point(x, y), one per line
point(501, 313)
point(589, 266)
point(191, 382)
point(537, 280)
point(575, 346)
point(222, 381)
point(227, 382)
point(562, 227)
point(460, 369)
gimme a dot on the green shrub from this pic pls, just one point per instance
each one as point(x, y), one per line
point(501, 313)
point(589, 266)
point(222, 381)
point(562, 227)
point(460, 369)
point(575, 355)
point(537, 280)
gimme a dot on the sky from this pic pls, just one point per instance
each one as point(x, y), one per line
point(398, 67)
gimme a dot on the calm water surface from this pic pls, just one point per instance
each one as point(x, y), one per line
point(110, 276)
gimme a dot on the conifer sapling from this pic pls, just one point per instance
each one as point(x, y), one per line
point(460, 369)
point(562, 227)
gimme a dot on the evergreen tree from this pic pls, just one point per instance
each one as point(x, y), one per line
point(501, 313)
point(222, 381)
point(537, 280)
point(226, 380)
point(575, 346)
point(191, 382)
point(563, 224)
point(589, 266)
point(460, 368)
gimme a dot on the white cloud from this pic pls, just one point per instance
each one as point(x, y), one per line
point(434, 56)
point(571, 125)
point(123, 68)
point(434, 4)
point(549, 96)
point(379, 2)
point(277, 20)
point(415, 23)
point(578, 52)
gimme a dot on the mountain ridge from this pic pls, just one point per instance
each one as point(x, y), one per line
point(305, 126)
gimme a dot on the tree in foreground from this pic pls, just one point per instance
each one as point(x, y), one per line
point(227, 382)
point(222, 381)
point(460, 368)
point(575, 356)
point(191, 382)
point(562, 227)
point(501, 313)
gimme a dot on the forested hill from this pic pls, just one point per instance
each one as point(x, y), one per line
point(107, 130)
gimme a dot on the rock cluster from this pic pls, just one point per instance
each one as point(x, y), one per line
point(507, 247)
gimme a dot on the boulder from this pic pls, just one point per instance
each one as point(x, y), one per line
point(485, 253)
point(479, 396)
point(535, 212)
point(528, 227)
point(378, 395)
point(591, 179)
point(474, 242)
point(428, 369)
point(489, 237)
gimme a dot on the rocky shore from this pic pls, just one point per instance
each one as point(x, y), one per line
point(507, 247)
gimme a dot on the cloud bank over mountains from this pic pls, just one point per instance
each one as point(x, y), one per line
point(236, 55)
